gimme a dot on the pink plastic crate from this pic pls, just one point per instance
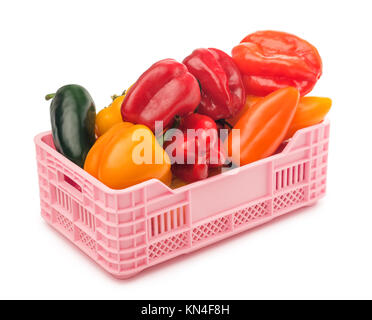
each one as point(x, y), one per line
point(127, 231)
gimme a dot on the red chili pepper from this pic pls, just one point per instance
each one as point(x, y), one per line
point(165, 90)
point(270, 60)
point(222, 87)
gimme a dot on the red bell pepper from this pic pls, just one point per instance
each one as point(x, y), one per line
point(271, 60)
point(222, 87)
point(165, 90)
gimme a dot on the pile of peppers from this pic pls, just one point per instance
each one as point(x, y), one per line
point(259, 90)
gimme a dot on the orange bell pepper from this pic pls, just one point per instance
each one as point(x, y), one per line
point(126, 155)
point(263, 126)
point(310, 111)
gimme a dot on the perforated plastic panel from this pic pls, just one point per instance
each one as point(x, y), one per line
point(126, 231)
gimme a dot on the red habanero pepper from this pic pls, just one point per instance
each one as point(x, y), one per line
point(190, 172)
point(165, 90)
point(207, 135)
point(196, 151)
point(215, 157)
point(222, 87)
point(205, 127)
point(188, 163)
point(270, 60)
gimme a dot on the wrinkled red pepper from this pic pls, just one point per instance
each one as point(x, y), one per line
point(205, 127)
point(190, 172)
point(271, 60)
point(165, 90)
point(213, 158)
point(202, 147)
point(222, 87)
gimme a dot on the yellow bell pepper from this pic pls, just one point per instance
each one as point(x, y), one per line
point(126, 155)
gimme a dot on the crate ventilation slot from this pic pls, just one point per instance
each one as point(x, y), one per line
point(249, 214)
point(87, 240)
point(168, 246)
point(290, 176)
point(64, 223)
point(289, 199)
point(87, 218)
point(211, 229)
point(63, 200)
point(168, 221)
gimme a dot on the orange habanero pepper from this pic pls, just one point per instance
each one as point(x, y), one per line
point(109, 116)
point(126, 155)
point(263, 126)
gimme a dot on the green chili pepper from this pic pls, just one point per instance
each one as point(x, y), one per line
point(73, 116)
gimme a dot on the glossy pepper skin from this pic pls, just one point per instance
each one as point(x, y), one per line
point(222, 87)
point(165, 90)
point(201, 146)
point(109, 116)
point(190, 172)
point(73, 114)
point(310, 111)
point(270, 60)
point(264, 126)
point(250, 101)
point(213, 157)
point(112, 159)
point(204, 125)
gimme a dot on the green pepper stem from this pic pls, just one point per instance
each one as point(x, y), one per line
point(177, 122)
point(113, 97)
point(49, 96)
point(223, 122)
point(228, 124)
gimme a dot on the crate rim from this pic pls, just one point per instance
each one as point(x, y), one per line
point(38, 139)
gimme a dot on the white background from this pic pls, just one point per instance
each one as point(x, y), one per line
point(319, 252)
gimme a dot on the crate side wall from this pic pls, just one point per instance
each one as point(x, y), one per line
point(126, 232)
